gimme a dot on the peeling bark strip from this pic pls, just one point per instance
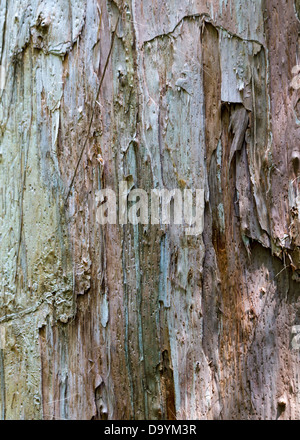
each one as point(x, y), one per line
point(142, 321)
point(93, 112)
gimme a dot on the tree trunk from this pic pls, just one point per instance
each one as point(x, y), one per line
point(123, 321)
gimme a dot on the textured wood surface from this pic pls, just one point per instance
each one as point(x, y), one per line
point(123, 321)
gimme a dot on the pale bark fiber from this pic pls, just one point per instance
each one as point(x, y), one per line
point(137, 322)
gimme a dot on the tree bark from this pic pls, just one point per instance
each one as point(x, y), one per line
point(145, 321)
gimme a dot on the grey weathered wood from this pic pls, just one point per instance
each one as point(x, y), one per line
point(142, 321)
